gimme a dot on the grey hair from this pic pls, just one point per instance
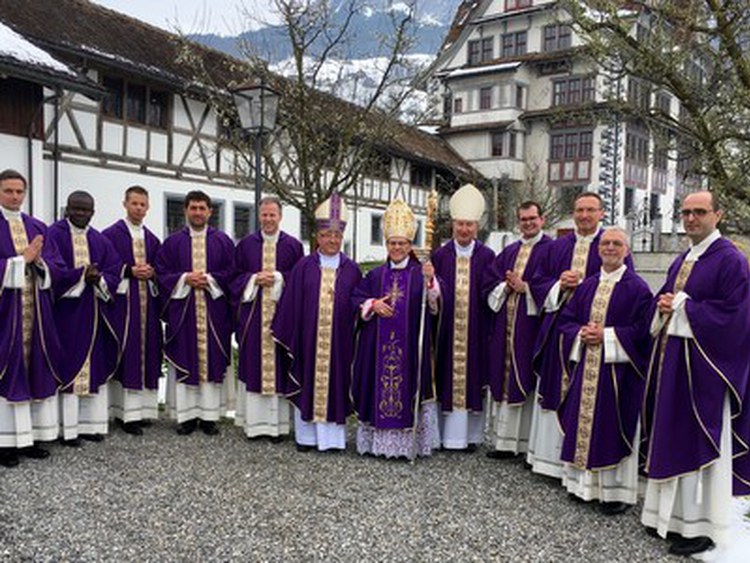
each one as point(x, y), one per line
point(620, 230)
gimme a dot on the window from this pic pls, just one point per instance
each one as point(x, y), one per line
point(516, 4)
point(136, 103)
point(663, 103)
point(639, 93)
point(514, 44)
point(519, 96)
point(421, 176)
point(629, 200)
point(654, 209)
point(176, 214)
point(485, 98)
point(244, 220)
point(458, 105)
point(661, 158)
point(480, 50)
point(636, 147)
point(573, 90)
point(418, 235)
point(19, 101)
point(570, 155)
point(376, 229)
point(497, 143)
point(556, 37)
point(504, 143)
point(377, 165)
point(447, 106)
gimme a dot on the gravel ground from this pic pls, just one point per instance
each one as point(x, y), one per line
point(163, 497)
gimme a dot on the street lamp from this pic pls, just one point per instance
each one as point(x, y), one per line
point(257, 106)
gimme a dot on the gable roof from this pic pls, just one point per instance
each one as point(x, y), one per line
point(90, 33)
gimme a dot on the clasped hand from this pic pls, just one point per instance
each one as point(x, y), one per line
point(197, 280)
point(592, 334)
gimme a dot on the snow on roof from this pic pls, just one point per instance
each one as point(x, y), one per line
point(483, 69)
point(14, 46)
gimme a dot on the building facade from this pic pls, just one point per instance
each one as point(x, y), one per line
point(107, 103)
point(524, 105)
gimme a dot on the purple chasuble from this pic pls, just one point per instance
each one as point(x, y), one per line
point(559, 257)
point(444, 260)
point(618, 388)
point(85, 323)
point(136, 372)
point(384, 378)
point(521, 381)
point(295, 327)
point(249, 261)
point(682, 410)
point(39, 379)
point(175, 258)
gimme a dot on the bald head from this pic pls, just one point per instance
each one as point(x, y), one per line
point(700, 215)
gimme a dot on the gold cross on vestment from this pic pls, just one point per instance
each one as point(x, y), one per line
point(395, 293)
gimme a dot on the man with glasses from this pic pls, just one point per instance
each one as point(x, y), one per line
point(696, 423)
point(513, 333)
point(570, 259)
point(314, 323)
point(604, 343)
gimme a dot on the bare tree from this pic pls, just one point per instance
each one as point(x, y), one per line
point(696, 52)
point(322, 144)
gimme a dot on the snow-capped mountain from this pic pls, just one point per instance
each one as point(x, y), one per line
point(355, 69)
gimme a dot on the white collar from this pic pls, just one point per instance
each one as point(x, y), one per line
point(400, 265)
point(697, 250)
point(75, 230)
point(270, 238)
point(615, 276)
point(136, 229)
point(467, 250)
point(10, 214)
point(195, 233)
point(331, 262)
point(533, 240)
point(588, 238)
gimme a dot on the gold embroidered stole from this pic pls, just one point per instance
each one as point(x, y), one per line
point(461, 330)
point(139, 255)
point(590, 376)
point(81, 259)
point(679, 284)
point(198, 247)
point(21, 242)
point(323, 348)
point(519, 267)
point(267, 311)
point(580, 257)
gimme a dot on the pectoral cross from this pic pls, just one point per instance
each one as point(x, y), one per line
point(395, 293)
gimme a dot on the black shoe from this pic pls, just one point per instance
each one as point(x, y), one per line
point(209, 427)
point(303, 448)
point(276, 439)
point(145, 423)
point(689, 546)
point(9, 457)
point(92, 437)
point(497, 454)
point(613, 508)
point(577, 499)
point(671, 536)
point(132, 428)
point(188, 427)
point(34, 452)
point(470, 449)
point(72, 443)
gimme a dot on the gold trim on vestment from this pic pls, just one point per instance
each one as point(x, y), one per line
point(21, 243)
point(139, 256)
point(461, 330)
point(679, 284)
point(590, 376)
point(81, 259)
point(267, 311)
point(198, 248)
point(323, 345)
point(519, 267)
point(580, 257)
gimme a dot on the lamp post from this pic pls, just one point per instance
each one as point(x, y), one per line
point(257, 106)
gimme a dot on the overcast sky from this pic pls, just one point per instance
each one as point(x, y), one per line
point(224, 17)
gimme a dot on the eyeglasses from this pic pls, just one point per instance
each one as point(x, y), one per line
point(697, 213)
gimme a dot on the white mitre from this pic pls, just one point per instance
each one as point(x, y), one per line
point(467, 204)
